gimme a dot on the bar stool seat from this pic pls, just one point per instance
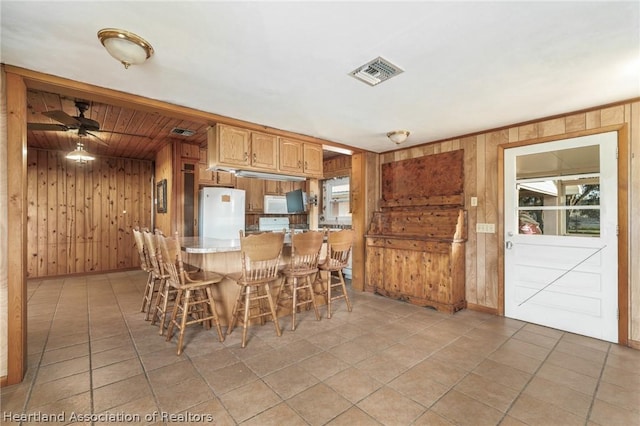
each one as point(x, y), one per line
point(296, 285)
point(260, 259)
point(339, 245)
point(194, 300)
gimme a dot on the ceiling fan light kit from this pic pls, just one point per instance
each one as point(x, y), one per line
point(398, 136)
point(126, 47)
point(79, 155)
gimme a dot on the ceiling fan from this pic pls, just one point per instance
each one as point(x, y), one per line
point(84, 125)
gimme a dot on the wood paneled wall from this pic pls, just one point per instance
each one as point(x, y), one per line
point(481, 180)
point(80, 217)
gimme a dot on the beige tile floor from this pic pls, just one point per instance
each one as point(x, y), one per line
point(387, 362)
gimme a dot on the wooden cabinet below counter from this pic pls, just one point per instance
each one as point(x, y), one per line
point(254, 193)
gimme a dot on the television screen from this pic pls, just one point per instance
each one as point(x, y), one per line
point(295, 201)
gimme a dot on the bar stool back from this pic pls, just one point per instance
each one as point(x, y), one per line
point(194, 301)
point(145, 265)
point(305, 252)
point(165, 292)
point(260, 260)
point(339, 245)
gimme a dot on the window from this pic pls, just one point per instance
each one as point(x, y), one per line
point(335, 205)
point(566, 200)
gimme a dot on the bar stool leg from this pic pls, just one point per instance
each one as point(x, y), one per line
point(273, 310)
point(216, 319)
point(247, 301)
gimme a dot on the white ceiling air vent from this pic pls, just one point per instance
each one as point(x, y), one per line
point(376, 71)
point(182, 132)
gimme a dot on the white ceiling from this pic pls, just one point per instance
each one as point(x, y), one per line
point(469, 66)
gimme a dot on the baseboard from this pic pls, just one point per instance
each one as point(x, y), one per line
point(635, 344)
point(480, 308)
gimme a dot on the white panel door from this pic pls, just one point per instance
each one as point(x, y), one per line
point(561, 252)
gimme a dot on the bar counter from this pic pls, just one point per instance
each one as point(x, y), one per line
point(223, 257)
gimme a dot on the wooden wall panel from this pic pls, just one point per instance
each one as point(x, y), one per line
point(80, 216)
point(164, 170)
point(480, 173)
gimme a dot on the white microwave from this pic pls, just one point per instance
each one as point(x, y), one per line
point(275, 204)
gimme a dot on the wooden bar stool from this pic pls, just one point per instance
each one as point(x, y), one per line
point(194, 302)
point(165, 292)
point(260, 260)
point(296, 284)
point(145, 264)
point(339, 245)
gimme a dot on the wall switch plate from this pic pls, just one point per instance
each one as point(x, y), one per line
point(474, 201)
point(486, 228)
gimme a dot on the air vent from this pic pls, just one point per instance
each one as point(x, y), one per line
point(376, 71)
point(182, 132)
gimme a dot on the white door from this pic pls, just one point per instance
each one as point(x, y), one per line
point(560, 227)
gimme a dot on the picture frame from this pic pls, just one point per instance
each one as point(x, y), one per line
point(161, 196)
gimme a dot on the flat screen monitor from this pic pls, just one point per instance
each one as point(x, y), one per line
point(295, 201)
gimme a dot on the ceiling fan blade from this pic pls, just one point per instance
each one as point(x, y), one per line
point(97, 139)
point(47, 127)
point(113, 132)
point(63, 118)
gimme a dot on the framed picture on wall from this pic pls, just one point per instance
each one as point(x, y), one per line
point(161, 196)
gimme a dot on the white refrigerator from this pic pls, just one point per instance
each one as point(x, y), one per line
point(221, 213)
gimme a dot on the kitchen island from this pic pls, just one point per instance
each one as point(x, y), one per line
point(223, 257)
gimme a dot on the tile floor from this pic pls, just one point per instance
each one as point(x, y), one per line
point(387, 362)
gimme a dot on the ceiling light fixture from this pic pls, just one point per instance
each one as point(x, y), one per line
point(79, 155)
point(398, 136)
point(128, 48)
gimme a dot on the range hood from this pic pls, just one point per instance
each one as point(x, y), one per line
point(270, 176)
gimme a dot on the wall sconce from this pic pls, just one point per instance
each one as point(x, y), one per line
point(126, 47)
point(398, 136)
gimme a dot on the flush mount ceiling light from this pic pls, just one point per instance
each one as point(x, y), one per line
point(126, 47)
point(398, 136)
point(79, 155)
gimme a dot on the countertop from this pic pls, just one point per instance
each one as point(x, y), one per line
point(208, 245)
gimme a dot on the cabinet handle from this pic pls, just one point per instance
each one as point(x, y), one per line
point(306, 165)
point(299, 164)
point(255, 157)
point(246, 156)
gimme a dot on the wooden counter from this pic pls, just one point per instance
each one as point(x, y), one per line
point(223, 257)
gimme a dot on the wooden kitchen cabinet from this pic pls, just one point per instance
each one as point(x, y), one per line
point(254, 193)
point(188, 150)
point(277, 187)
point(212, 177)
point(215, 178)
point(264, 151)
point(300, 157)
point(236, 148)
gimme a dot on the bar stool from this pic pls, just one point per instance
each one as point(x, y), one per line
point(165, 292)
point(339, 245)
point(296, 284)
point(260, 260)
point(145, 265)
point(194, 301)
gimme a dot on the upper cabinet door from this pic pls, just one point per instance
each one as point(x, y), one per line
point(234, 145)
point(291, 155)
point(312, 159)
point(264, 151)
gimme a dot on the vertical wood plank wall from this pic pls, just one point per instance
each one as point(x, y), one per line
point(481, 180)
point(79, 217)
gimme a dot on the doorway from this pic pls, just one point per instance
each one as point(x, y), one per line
point(560, 228)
